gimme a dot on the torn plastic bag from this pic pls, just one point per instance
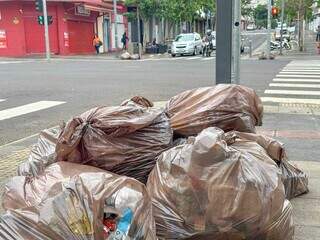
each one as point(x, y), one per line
point(295, 180)
point(229, 107)
point(206, 187)
point(25, 191)
point(125, 140)
point(42, 153)
point(95, 206)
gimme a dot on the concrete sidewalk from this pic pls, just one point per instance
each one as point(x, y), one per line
point(299, 132)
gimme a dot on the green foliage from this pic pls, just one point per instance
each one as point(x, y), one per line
point(246, 9)
point(260, 14)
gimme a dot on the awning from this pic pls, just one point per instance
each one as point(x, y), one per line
point(97, 8)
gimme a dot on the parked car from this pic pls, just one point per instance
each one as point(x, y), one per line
point(187, 43)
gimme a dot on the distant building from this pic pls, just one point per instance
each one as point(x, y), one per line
point(313, 25)
point(71, 32)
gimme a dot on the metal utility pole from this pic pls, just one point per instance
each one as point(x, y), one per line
point(224, 41)
point(281, 31)
point(236, 41)
point(46, 29)
point(115, 23)
point(139, 32)
point(269, 30)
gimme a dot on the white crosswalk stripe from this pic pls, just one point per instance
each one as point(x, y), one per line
point(28, 108)
point(296, 80)
point(2, 100)
point(296, 83)
point(207, 59)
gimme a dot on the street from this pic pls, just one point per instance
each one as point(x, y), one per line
point(78, 85)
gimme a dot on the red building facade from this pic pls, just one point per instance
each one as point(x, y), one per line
point(74, 25)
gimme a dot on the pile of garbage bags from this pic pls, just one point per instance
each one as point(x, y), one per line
point(194, 170)
point(128, 56)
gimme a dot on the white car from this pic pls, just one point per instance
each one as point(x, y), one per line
point(187, 43)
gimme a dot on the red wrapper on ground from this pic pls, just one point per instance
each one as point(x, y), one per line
point(207, 188)
point(229, 107)
point(69, 201)
point(125, 140)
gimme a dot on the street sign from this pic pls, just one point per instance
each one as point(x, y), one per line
point(39, 5)
point(41, 20)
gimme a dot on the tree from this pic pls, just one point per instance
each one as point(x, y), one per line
point(261, 16)
point(246, 9)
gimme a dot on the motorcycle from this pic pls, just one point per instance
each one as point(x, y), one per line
point(275, 45)
point(207, 48)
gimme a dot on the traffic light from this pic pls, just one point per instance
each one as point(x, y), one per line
point(275, 11)
point(39, 5)
point(50, 20)
point(41, 20)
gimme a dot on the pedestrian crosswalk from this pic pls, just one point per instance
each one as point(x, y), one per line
point(297, 83)
point(27, 108)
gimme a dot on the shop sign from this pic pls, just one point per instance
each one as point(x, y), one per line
point(80, 10)
point(3, 39)
point(66, 39)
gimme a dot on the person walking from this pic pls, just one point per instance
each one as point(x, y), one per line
point(124, 41)
point(318, 34)
point(97, 43)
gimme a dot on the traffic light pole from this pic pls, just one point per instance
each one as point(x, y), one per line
point(224, 41)
point(236, 41)
point(115, 23)
point(46, 29)
point(269, 29)
point(281, 31)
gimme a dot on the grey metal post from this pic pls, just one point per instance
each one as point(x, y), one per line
point(224, 41)
point(281, 31)
point(139, 32)
point(236, 41)
point(115, 23)
point(269, 29)
point(250, 48)
point(46, 29)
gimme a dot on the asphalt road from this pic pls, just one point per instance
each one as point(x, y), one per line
point(83, 84)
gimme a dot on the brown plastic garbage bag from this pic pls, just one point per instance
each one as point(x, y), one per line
point(42, 154)
point(138, 100)
point(295, 181)
point(95, 206)
point(125, 140)
point(281, 228)
point(205, 188)
point(229, 107)
point(21, 191)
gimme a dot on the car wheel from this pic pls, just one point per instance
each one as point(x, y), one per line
point(173, 55)
point(195, 52)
